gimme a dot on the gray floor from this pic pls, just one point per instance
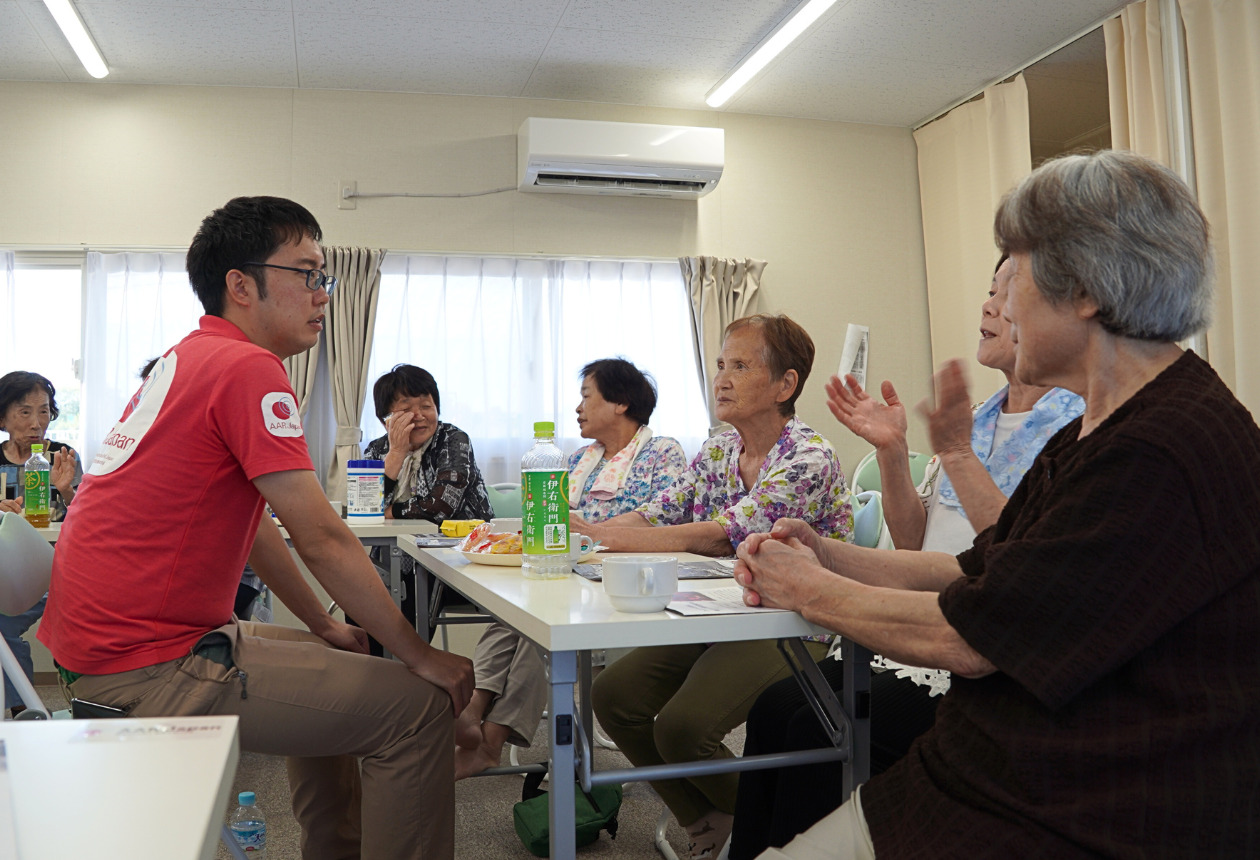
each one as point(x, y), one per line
point(483, 825)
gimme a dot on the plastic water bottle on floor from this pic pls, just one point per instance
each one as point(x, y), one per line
point(249, 827)
point(545, 507)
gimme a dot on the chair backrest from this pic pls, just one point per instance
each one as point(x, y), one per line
point(869, 528)
point(25, 564)
point(25, 568)
point(918, 466)
point(866, 475)
point(505, 499)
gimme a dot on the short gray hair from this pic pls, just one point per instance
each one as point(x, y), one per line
point(1119, 229)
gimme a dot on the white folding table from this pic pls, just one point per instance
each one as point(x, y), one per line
point(570, 617)
point(116, 789)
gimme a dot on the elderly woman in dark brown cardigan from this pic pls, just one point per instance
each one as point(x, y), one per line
point(1106, 695)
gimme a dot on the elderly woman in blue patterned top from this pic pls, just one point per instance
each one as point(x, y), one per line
point(625, 465)
point(511, 690)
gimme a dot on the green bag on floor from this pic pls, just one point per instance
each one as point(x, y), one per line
point(594, 812)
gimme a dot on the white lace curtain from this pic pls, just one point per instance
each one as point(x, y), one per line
point(8, 314)
point(505, 339)
point(137, 306)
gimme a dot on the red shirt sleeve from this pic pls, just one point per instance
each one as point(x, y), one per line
point(254, 411)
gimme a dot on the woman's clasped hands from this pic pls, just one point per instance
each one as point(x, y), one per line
point(774, 568)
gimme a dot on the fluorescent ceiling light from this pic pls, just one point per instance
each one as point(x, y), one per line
point(67, 18)
point(789, 30)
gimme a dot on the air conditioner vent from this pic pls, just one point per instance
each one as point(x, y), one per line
point(626, 186)
point(569, 156)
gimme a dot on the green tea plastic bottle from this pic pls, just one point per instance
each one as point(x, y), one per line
point(38, 489)
point(545, 507)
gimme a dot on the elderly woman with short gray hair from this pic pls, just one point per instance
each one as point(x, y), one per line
point(1106, 695)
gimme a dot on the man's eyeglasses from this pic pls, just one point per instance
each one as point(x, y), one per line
point(315, 279)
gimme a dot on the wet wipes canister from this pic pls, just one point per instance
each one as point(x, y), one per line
point(365, 492)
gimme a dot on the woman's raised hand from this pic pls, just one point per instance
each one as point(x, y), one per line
point(61, 475)
point(949, 417)
point(881, 424)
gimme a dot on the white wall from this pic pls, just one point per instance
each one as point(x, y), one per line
point(833, 207)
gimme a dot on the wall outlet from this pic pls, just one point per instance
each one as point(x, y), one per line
point(346, 189)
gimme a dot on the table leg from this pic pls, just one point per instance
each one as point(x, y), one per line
point(585, 677)
point(857, 704)
point(560, 728)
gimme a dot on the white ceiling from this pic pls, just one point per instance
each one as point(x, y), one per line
point(890, 62)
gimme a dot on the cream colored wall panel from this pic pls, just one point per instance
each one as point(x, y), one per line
point(833, 207)
point(833, 215)
point(106, 164)
point(34, 143)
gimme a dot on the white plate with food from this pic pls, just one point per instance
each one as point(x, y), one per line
point(483, 546)
point(504, 559)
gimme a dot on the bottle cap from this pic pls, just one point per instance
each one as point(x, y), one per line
point(245, 798)
point(544, 429)
point(37, 448)
point(366, 464)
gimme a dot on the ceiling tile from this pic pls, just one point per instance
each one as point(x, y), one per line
point(998, 36)
point(24, 54)
point(413, 55)
point(630, 68)
point(140, 7)
point(194, 46)
point(540, 13)
point(876, 61)
point(860, 88)
point(741, 21)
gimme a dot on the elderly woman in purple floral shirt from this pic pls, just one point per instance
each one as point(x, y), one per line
point(676, 703)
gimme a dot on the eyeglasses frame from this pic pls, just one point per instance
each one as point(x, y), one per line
point(326, 281)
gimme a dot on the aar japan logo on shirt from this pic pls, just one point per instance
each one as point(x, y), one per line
point(280, 414)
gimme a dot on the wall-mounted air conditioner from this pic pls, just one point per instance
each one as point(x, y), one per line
point(573, 156)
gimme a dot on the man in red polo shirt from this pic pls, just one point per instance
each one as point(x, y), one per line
point(140, 609)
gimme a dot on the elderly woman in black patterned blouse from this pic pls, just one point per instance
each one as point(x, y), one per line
point(430, 470)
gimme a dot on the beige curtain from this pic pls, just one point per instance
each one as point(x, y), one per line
point(1135, 82)
point(721, 291)
point(301, 370)
point(1223, 60)
point(968, 159)
point(351, 320)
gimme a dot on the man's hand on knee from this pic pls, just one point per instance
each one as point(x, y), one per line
point(452, 673)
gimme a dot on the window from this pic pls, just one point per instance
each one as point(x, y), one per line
point(40, 315)
point(138, 306)
point(505, 339)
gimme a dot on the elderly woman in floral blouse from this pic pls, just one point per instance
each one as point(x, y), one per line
point(676, 703)
point(623, 467)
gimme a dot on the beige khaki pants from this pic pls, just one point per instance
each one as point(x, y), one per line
point(335, 716)
point(512, 669)
point(842, 835)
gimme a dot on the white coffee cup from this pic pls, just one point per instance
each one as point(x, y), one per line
point(580, 545)
point(640, 583)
